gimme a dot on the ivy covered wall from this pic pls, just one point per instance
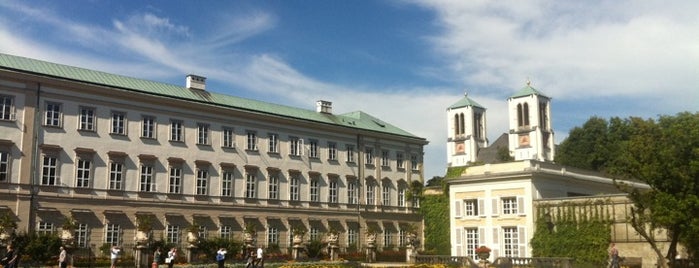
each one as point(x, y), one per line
point(435, 211)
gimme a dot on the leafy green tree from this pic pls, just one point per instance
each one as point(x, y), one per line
point(662, 153)
point(435, 181)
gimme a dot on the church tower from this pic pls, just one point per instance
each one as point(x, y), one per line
point(466, 132)
point(531, 134)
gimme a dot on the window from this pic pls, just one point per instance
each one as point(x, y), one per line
point(384, 159)
point(175, 179)
point(332, 151)
point(273, 191)
point(112, 234)
point(352, 192)
point(227, 138)
point(369, 156)
point(83, 173)
point(400, 161)
point(176, 130)
point(49, 170)
point(387, 241)
point(414, 163)
point(478, 130)
point(44, 228)
point(173, 234)
point(294, 188)
point(510, 240)
point(226, 231)
point(352, 237)
point(314, 233)
point(202, 181)
point(471, 207)
point(118, 123)
point(251, 141)
point(148, 127)
point(315, 190)
point(250, 185)
point(350, 153)
point(471, 242)
point(370, 193)
point(4, 166)
point(81, 235)
point(7, 107)
point(295, 146)
point(523, 115)
point(87, 119)
point(273, 143)
point(203, 232)
point(116, 175)
point(401, 238)
point(509, 205)
point(313, 149)
point(203, 134)
point(147, 183)
point(386, 194)
point(401, 196)
point(53, 114)
point(227, 183)
point(333, 191)
point(272, 236)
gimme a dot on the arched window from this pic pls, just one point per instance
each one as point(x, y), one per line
point(525, 114)
point(519, 115)
point(461, 123)
point(456, 125)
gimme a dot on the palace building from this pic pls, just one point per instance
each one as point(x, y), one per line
point(102, 148)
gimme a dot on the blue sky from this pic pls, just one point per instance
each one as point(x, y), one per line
point(402, 61)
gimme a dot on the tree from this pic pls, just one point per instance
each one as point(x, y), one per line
point(662, 153)
point(435, 181)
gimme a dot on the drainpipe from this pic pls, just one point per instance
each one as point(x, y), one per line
point(33, 175)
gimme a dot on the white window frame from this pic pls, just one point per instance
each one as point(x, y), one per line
point(87, 120)
point(273, 143)
point(175, 179)
point(385, 194)
point(147, 177)
point(227, 182)
point(251, 140)
point(352, 192)
point(83, 172)
point(273, 187)
point(172, 234)
point(350, 153)
point(272, 235)
point(53, 115)
point(5, 160)
point(401, 196)
point(148, 127)
point(176, 130)
point(202, 181)
point(314, 190)
point(332, 151)
point(112, 234)
point(385, 160)
point(203, 134)
point(7, 108)
point(370, 194)
point(295, 146)
point(369, 155)
point(400, 160)
point(333, 190)
point(250, 185)
point(313, 149)
point(227, 137)
point(49, 170)
point(117, 174)
point(294, 188)
point(118, 124)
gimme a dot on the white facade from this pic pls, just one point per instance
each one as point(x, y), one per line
point(467, 132)
point(531, 132)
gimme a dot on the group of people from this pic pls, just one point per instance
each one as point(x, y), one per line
point(255, 259)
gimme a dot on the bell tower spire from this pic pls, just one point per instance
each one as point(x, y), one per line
point(466, 128)
point(531, 133)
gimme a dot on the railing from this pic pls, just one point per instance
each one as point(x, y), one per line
point(513, 262)
point(446, 259)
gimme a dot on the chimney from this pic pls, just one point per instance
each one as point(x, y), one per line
point(325, 107)
point(196, 82)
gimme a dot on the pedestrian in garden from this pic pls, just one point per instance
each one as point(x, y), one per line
point(156, 257)
point(171, 255)
point(114, 255)
point(251, 259)
point(63, 258)
point(614, 256)
point(10, 259)
point(221, 257)
point(259, 261)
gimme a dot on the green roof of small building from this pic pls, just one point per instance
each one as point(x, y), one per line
point(465, 102)
point(526, 91)
point(355, 120)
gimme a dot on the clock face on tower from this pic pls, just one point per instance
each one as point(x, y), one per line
point(523, 140)
point(460, 148)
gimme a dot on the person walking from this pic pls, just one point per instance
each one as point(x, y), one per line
point(171, 255)
point(614, 256)
point(221, 257)
point(63, 258)
point(259, 261)
point(156, 257)
point(114, 255)
point(10, 259)
point(251, 259)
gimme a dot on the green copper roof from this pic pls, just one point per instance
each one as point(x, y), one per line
point(356, 120)
point(526, 91)
point(464, 102)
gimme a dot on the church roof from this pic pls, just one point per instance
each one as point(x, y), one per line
point(526, 91)
point(489, 154)
point(465, 102)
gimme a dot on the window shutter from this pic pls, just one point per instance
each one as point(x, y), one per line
point(481, 236)
point(495, 207)
point(481, 207)
point(496, 239)
point(458, 211)
point(457, 242)
point(520, 205)
point(522, 241)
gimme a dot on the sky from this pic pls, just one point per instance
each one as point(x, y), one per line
point(402, 61)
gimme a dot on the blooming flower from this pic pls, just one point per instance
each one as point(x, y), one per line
point(482, 249)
